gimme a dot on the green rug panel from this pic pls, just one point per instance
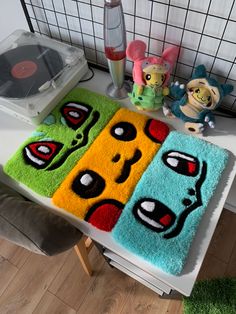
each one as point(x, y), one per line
point(59, 141)
point(216, 296)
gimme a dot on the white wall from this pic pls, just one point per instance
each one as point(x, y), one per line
point(11, 17)
point(205, 30)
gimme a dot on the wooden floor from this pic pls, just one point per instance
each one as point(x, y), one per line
point(31, 283)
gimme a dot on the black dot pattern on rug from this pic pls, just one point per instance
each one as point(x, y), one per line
point(186, 201)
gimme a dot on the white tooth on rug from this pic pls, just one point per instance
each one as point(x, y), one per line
point(148, 206)
point(172, 161)
point(149, 221)
point(34, 159)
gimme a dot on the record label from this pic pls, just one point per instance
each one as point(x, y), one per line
point(24, 69)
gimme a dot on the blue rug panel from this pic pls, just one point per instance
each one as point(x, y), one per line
point(161, 218)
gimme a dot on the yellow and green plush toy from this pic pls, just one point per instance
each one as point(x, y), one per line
point(194, 103)
point(151, 75)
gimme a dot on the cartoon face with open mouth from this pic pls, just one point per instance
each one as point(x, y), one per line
point(41, 154)
point(154, 214)
point(158, 216)
point(163, 214)
point(102, 181)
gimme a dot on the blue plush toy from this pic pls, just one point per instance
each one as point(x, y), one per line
point(194, 103)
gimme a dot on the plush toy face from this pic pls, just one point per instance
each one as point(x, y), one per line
point(154, 79)
point(202, 95)
point(154, 74)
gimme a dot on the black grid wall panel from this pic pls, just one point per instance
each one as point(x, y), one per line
point(204, 29)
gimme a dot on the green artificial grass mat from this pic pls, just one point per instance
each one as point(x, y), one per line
point(215, 296)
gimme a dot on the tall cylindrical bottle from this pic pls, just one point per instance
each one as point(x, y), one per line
point(115, 47)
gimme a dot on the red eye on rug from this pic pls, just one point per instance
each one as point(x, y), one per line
point(181, 163)
point(40, 154)
point(75, 114)
point(156, 130)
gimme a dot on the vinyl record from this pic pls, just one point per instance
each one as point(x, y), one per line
point(25, 69)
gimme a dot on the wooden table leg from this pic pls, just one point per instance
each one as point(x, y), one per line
point(82, 249)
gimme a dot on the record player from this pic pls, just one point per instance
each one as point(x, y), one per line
point(36, 72)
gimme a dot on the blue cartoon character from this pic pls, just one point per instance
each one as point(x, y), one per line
point(161, 218)
point(194, 103)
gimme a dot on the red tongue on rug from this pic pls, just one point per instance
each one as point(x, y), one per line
point(105, 214)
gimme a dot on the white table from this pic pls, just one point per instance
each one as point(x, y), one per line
point(13, 132)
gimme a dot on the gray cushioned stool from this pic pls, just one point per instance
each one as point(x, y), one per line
point(35, 228)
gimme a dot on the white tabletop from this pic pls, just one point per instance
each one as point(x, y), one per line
point(13, 132)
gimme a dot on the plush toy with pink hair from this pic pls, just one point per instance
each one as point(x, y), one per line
point(151, 75)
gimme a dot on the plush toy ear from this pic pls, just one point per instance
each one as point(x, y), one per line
point(200, 71)
point(227, 88)
point(136, 50)
point(170, 55)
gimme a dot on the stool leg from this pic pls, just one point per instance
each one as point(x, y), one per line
point(82, 249)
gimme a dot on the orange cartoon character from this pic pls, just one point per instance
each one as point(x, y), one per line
point(102, 181)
